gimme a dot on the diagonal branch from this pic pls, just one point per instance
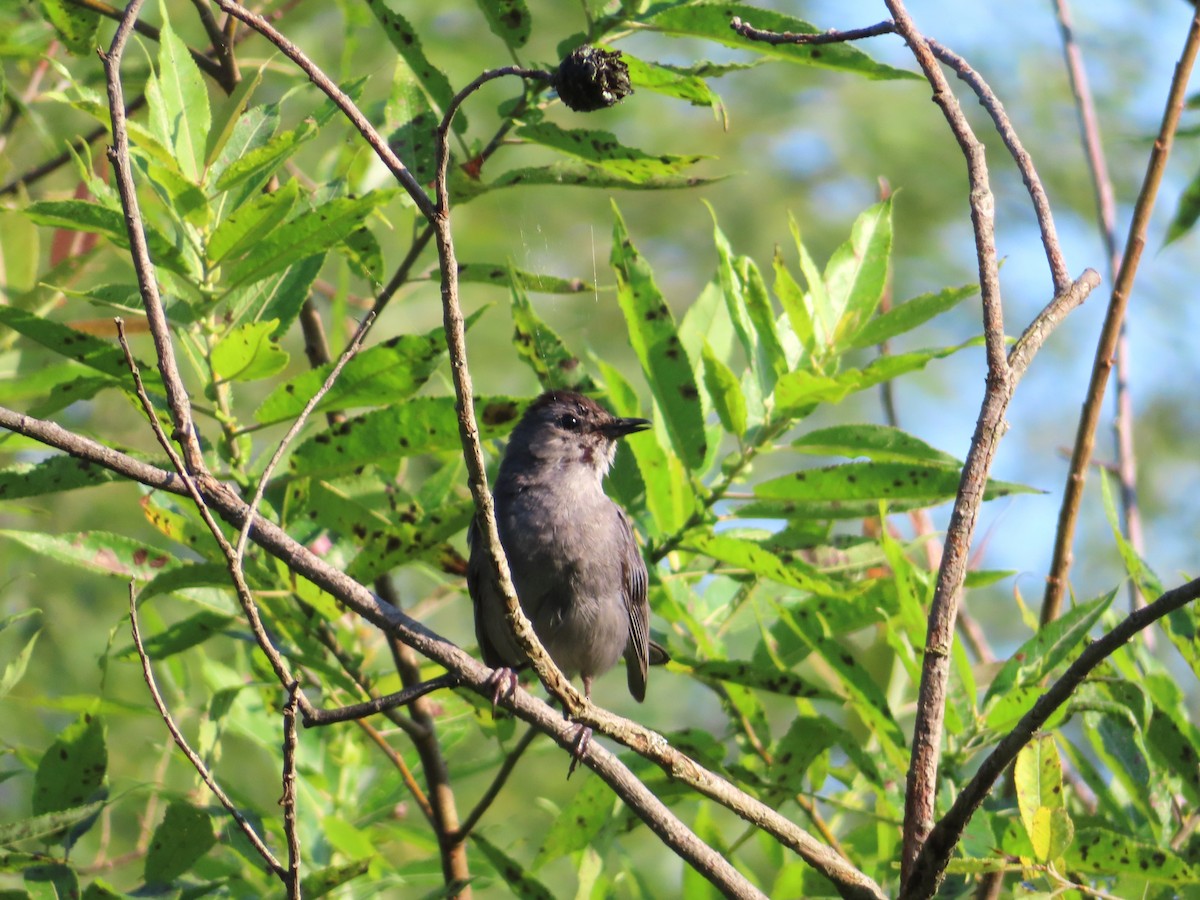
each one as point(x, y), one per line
point(929, 867)
point(1085, 435)
point(177, 399)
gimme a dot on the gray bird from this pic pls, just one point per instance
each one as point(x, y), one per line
point(578, 572)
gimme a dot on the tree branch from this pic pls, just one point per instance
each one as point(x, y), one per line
point(931, 864)
point(1085, 436)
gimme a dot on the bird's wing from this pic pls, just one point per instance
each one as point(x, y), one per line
point(482, 591)
point(633, 592)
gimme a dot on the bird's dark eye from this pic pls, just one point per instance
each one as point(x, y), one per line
point(569, 422)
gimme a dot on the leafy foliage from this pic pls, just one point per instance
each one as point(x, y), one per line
point(789, 600)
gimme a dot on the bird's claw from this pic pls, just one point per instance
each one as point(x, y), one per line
point(503, 682)
point(579, 747)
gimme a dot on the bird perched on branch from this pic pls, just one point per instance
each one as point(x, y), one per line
point(575, 564)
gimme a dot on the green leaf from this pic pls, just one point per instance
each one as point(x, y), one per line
point(229, 113)
point(247, 353)
point(77, 26)
point(807, 738)
point(419, 425)
point(98, 551)
point(259, 161)
point(322, 881)
point(240, 231)
point(671, 83)
point(656, 343)
point(388, 545)
point(57, 473)
point(578, 823)
point(82, 215)
point(1143, 576)
point(91, 351)
point(1108, 853)
point(1175, 744)
point(47, 825)
point(710, 21)
point(725, 392)
point(763, 677)
point(386, 373)
point(509, 20)
point(518, 881)
point(880, 443)
point(408, 44)
point(1042, 653)
point(278, 297)
point(906, 316)
point(14, 669)
point(73, 768)
point(603, 149)
point(747, 555)
point(184, 835)
point(507, 276)
point(577, 174)
point(670, 498)
point(1037, 777)
point(799, 390)
point(182, 635)
point(886, 481)
point(185, 99)
point(542, 349)
point(309, 233)
point(856, 274)
point(758, 306)
point(1186, 213)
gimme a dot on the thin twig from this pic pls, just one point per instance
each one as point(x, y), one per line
point(1041, 204)
point(192, 756)
point(498, 782)
point(1085, 435)
point(347, 355)
point(456, 870)
point(832, 36)
point(376, 705)
point(452, 319)
point(1106, 212)
point(401, 766)
point(935, 670)
point(935, 855)
point(177, 399)
point(288, 800)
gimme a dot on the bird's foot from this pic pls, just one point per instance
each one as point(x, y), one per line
point(579, 747)
point(503, 682)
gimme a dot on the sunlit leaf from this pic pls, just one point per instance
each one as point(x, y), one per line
point(603, 149)
point(247, 353)
point(416, 426)
point(904, 317)
point(655, 340)
point(185, 99)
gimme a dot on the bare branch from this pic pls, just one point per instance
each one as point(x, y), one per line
point(192, 756)
point(832, 36)
point(1106, 211)
point(288, 800)
point(1085, 435)
point(931, 864)
point(177, 399)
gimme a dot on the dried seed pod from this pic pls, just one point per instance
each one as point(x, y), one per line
point(590, 79)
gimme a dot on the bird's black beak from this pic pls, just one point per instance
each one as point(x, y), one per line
point(618, 428)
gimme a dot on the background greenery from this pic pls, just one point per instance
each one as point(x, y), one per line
point(778, 140)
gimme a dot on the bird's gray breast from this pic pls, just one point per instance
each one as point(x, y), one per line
point(563, 549)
